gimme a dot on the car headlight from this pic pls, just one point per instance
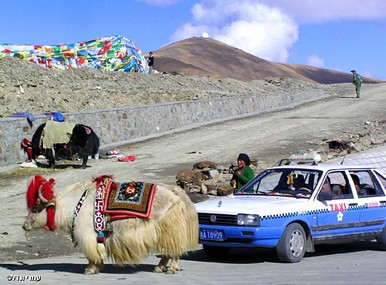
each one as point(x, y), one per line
point(248, 220)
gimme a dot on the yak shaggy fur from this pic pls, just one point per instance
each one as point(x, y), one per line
point(171, 230)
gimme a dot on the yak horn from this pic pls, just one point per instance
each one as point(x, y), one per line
point(44, 200)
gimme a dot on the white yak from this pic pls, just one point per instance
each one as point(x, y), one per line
point(171, 229)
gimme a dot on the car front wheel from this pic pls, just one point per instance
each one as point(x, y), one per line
point(292, 244)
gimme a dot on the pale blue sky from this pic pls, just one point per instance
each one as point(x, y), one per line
point(340, 35)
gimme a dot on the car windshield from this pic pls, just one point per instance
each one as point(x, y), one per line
point(298, 183)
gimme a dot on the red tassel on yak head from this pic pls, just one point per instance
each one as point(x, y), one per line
point(48, 196)
point(32, 191)
point(40, 191)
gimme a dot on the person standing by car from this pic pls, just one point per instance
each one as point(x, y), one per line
point(244, 173)
point(357, 81)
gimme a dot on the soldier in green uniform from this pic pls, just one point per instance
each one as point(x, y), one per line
point(357, 81)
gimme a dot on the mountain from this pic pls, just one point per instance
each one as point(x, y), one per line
point(209, 57)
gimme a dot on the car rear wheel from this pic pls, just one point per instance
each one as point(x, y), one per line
point(292, 244)
point(216, 251)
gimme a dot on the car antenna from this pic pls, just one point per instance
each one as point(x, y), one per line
point(343, 159)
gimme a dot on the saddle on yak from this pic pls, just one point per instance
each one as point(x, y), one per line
point(126, 199)
point(57, 133)
point(115, 201)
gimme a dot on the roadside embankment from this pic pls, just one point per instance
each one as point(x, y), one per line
point(125, 125)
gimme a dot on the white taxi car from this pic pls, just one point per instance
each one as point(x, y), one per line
point(294, 207)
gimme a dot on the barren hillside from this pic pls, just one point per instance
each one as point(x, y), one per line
point(25, 87)
point(208, 57)
point(195, 68)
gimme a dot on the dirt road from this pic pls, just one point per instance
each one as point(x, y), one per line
point(267, 138)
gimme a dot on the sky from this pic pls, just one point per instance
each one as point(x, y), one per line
point(333, 34)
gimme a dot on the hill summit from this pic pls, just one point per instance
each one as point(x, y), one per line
point(209, 57)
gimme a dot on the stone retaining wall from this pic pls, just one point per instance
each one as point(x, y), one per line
point(132, 124)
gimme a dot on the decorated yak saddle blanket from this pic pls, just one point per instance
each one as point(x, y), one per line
point(115, 201)
point(124, 200)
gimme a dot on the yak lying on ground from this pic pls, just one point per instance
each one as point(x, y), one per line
point(57, 140)
point(168, 225)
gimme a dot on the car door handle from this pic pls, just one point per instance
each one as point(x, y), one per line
point(382, 202)
point(353, 204)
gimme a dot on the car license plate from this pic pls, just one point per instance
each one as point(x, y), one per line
point(216, 235)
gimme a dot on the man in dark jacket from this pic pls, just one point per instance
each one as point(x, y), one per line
point(150, 62)
point(357, 81)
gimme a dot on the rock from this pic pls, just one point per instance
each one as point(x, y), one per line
point(214, 180)
point(224, 190)
point(378, 139)
point(186, 175)
point(204, 190)
point(196, 198)
point(195, 189)
point(198, 178)
point(365, 141)
point(212, 192)
point(211, 188)
point(205, 165)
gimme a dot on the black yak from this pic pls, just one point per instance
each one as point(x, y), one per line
point(57, 140)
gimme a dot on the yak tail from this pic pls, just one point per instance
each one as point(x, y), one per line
point(102, 251)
